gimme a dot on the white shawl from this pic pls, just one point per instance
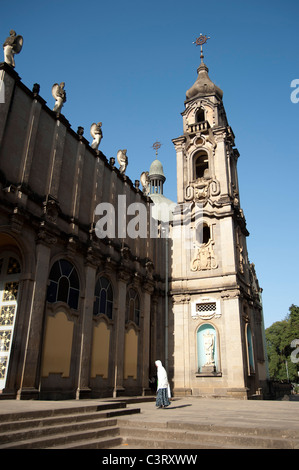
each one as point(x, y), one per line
point(162, 377)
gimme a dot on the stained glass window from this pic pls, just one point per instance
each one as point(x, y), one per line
point(64, 284)
point(132, 306)
point(103, 297)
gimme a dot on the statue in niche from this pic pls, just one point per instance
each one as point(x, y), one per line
point(97, 134)
point(122, 160)
point(12, 45)
point(208, 341)
point(59, 94)
point(145, 182)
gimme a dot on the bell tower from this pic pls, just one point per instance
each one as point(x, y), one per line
point(217, 312)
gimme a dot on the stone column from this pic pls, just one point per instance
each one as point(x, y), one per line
point(86, 333)
point(8, 79)
point(181, 346)
point(30, 370)
point(220, 159)
point(28, 149)
point(123, 278)
point(145, 366)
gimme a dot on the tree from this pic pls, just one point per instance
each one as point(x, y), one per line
point(279, 336)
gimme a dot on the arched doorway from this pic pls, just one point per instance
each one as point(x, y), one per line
point(10, 272)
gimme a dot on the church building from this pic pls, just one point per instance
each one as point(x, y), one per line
point(85, 307)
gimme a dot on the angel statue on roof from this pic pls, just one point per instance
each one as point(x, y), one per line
point(144, 178)
point(97, 134)
point(12, 45)
point(122, 160)
point(59, 95)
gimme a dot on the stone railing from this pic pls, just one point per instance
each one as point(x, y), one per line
point(198, 127)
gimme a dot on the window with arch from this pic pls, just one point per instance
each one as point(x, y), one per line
point(132, 306)
point(201, 166)
point(203, 233)
point(250, 356)
point(103, 302)
point(10, 271)
point(64, 284)
point(200, 115)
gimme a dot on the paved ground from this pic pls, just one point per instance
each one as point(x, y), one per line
point(228, 412)
point(277, 414)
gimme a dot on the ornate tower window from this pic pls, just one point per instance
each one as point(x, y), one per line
point(10, 271)
point(200, 115)
point(64, 284)
point(103, 303)
point(201, 163)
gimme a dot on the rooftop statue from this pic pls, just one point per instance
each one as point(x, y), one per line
point(145, 182)
point(122, 160)
point(12, 45)
point(59, 94)
point(97, 134)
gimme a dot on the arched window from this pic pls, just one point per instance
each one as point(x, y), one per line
point(64, 284)
point(200, 115)
point(132, 306)
point(250, 358)
point(10, 271)
point(203, 233)
point(103, 297)
point(201, 166)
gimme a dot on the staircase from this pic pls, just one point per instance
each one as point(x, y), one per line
point(184, 435)
point(80, 427)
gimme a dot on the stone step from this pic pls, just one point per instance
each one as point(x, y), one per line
point(64, 427)
point(186, 435)
point(22, 415)
point(59, 439)
point(39, 422)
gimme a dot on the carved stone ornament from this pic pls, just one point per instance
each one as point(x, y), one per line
point(97, 135)
point(122, 160)
point(51, 209)
point(204, 258)
point(205, 309)
point(201, 189)
point(144, 178)
point(59, 94)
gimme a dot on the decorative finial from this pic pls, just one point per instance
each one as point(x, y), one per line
point(202, 39)
point(156, 146)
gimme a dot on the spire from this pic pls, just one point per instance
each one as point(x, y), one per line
point(203, 85)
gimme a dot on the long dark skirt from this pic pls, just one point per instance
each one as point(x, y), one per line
point(162, 398)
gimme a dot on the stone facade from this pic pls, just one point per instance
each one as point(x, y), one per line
point(81, 315)
point(87, 316)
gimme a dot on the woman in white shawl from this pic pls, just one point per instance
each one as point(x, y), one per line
point(163, 389)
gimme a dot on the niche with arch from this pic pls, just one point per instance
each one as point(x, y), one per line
point(208, 360)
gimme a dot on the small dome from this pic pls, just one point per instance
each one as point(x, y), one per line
point(203, 85)
point(156, 168)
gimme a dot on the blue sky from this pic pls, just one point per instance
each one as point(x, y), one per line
point(129, 64)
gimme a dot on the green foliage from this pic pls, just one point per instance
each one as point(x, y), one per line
point(279, 337)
